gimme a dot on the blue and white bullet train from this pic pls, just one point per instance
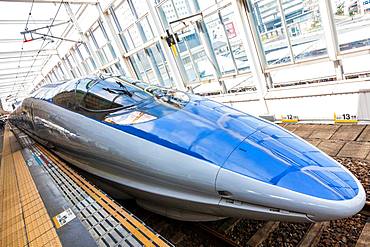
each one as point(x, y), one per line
point(187, 157)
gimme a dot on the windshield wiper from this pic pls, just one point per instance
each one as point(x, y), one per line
point(124, 87)
point(118, 91)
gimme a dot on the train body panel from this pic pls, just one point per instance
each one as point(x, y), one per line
point(187, 157)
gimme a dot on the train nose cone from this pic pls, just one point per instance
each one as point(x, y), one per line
point(281, 160)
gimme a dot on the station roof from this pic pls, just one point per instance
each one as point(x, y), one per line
point(24, 55)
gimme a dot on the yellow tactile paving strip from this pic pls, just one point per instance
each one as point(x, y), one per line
point(24, 220)
point(140, 231)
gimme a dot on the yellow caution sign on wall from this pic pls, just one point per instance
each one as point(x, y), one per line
point(289, 118)
point(345, 118)
point(174, 50)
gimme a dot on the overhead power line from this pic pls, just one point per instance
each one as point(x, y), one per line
point(42, 45)
point(28, 19)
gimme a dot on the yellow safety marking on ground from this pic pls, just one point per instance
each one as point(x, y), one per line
point(23, 216)
point(139, 230)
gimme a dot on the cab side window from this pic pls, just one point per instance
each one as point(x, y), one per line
point(105, 95)
point(66, 98)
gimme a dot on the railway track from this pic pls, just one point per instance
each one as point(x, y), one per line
point(241, 232)
point(222, 235)
point(311, 237)
point(263, 235)
point(206, 234)
point(353, 231)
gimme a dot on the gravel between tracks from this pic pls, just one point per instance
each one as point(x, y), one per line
point(287, 234)
point(244, 230)
point(345, 232)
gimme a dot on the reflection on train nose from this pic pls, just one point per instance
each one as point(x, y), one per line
point(306, 170)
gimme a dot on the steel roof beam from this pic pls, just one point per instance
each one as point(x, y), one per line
point(10, 83)
point(28, 52)
point(38, 67)
point(16, 86)
point(21, 22)
point(19, 77)
point(54, 1)
point(7, 93)
point(20, 73)
point(13, 88)
point(13, 83)
point(17, 61)
point(24, 56)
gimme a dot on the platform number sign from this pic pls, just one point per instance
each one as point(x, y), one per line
point(345, 118)
point(289, 118)
point(63, 218)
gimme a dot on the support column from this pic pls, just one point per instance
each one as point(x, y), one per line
point(256, 57)
point(331, 36)
point(178, 71)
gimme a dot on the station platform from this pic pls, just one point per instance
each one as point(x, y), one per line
point(44, 202)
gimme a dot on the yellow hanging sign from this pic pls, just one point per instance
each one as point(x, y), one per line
point(174, 50)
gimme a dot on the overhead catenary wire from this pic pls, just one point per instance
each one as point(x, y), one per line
point(42, 46)
point(21, 55)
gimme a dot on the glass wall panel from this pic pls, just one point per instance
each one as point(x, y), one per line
point(143, 59)
point(271, 32)
point(220, 44)
point(226, 42)
point(147, 30)
point(182, 7)
point(170, 10)
point(129, 45)
point(196, 63)
point(104, 49)
point(64, 75)
point(352, 20)
point(73, 64)
point(99, 36)
point(140, 6)
point(132, 23)
point(167, 13)
point(161, 64)
point(142, 67)
point(236, 43)
point(117, 69)
point(206, 4)
point(56, 72)
point(303, 20)
point(123, 12)
point(69, 67)
point(82, 59)
point(135, 36)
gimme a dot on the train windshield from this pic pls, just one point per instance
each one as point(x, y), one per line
point(116, 93)
point(111, 94)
